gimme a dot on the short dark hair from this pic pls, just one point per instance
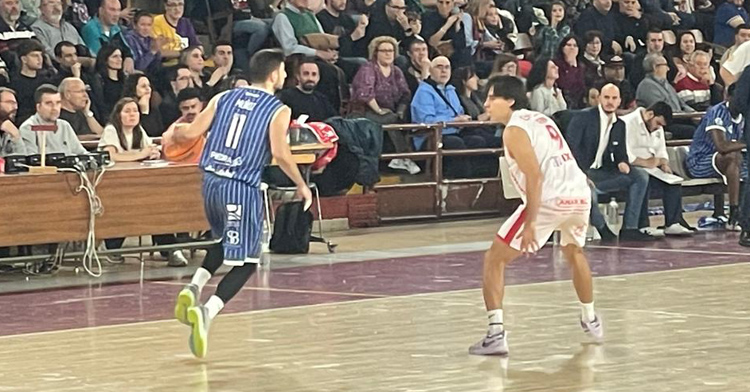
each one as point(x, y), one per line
point(63, 44)
point(307, 60)
point(28, 46)
point(662, 109)
point(42, 90)
point(654, 30)
point(263, 63)
point(173, 72)
point(188, 94)
point(141, 14)
point(221, 43)
point(509, 87)
point(743, 26)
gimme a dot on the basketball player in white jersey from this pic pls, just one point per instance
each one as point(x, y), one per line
point(555, 195)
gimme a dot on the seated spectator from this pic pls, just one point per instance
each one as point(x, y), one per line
point(592, 96)
point(334, 19)
point(694, 89)
point(647, 148)
point(466, 82)
point(506, 64)
point(291, 26)
point(614, 72)
point(656, 88)
point(654, 44)
point(179, 78)
point(741, 35)
point(76, 107)
point(680, 54)
point(415, 22)
point(110, 76)
point(592, 60)
point(177, 32)
point(202, 79)
point(599, 16)
point(446, 34)
point(418, 67)
point(104, 30)
point(596, 138)
point(138, 87)
point(223, 59)
point(51, 29)
point(732, 67)
point(497, 33)
point(728, 16)
point(388, 18)
point(62, 141)
point(632, 26)
point(572, 72)
point(126, 141)
point(546, 97)
point(380, 93)
point(303, 98)
point(29, 77)
point(716, 150)
point(77, 13)
point(146, 49)
point(184, 150)
point(548, 37)
point(14, 30)
point(9, 132)
point(437, 101)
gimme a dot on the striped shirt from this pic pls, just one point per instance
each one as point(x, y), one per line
point(694, 92)
point(237, 146)
point(717, 117)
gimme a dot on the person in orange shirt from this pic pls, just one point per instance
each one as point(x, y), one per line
point(176, 148)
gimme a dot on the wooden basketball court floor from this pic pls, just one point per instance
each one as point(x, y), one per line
point(676, 314)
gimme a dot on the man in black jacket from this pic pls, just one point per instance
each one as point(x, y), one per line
point(597, 139)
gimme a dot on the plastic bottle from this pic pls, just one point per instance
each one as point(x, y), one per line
point(612, 212)
point(265, 251)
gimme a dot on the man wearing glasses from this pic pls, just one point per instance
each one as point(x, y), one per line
point(178, 32)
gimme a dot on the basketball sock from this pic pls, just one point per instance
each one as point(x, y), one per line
point(214, 306)
point(201, 277)
point(496, 321)
point(587, 312)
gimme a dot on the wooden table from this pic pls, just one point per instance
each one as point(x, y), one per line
point(137, 200)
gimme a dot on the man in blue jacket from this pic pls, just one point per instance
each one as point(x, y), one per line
point(597, 139)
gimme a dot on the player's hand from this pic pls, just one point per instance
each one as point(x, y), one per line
point(528, 239)
point(304, 193)
point(624, 168)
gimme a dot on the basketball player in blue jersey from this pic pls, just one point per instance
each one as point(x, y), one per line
point(716, 150)
point(247, 126)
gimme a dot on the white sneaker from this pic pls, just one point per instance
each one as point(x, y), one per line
point(397, 164)
point(677, 229)
point(412, 167)
point(652, 232)
point(177, 259)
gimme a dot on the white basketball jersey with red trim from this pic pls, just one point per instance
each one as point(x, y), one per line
point(562, 176)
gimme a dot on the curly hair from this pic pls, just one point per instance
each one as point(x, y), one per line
point(372, 48)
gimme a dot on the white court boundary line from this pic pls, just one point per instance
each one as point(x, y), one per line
point(357, 301)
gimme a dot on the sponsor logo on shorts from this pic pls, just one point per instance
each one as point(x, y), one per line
point(234, 212)
point(233, 237)
point(573, 201)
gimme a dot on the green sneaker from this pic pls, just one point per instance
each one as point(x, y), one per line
point(199, 320)
point(186, 299)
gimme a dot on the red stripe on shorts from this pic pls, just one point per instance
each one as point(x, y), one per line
point(514, 229)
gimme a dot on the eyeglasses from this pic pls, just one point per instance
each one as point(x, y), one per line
point(386, 50)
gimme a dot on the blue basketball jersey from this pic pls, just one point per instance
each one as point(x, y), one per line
point(237, 146)
point(717, 117)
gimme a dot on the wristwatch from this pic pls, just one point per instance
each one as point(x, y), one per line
point(89, 114)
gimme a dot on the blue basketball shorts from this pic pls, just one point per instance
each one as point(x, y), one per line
point(235, 212)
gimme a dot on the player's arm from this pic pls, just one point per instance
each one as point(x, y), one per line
point(283, 153)
point(200, 125)
point(518, 145)
point(724, 146)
